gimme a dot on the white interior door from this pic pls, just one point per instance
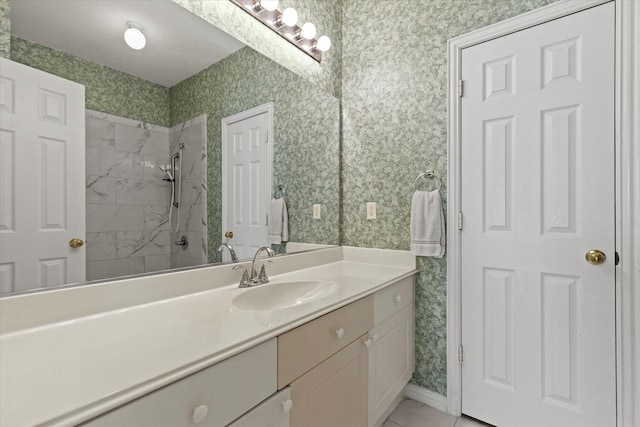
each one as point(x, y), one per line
point(42, 189)
point(246, 183)
point(538, 321)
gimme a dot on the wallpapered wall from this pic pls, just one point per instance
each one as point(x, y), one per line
point(388, 62)
point(306, 126)
point(325, 14)
point(106, 90)
point(394, 127)
point(5, 28)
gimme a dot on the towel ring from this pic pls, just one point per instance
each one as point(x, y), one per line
point(279, 188)
point(426, 175)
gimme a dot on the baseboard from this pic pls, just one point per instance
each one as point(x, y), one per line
point(425, 396)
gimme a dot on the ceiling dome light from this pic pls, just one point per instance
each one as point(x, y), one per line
point(134, 37)
point(308, 31)
point(290, 17)
point(269, 5)
point(324, 43)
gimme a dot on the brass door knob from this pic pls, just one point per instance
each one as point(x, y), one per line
point(229, 234)
point(595, 257)
point(76, 243)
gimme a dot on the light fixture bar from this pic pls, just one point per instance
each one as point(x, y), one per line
point(273, 20)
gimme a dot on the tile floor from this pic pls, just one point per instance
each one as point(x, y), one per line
point(410, 413)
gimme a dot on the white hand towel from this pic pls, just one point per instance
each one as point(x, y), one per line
point(278, 222)
point(428, 237)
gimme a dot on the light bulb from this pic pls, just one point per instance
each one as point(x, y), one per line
point(308, 31)
point(324, 43)
point(134, 37)
point(290, 17)
point(269, 5)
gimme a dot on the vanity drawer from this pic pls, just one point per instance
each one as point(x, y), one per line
point(392, 298)
point(273, 412)
point(212, 397)
point(308, 345)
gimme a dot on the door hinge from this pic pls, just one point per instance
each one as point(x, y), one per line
point(617, 258)
point(459, 220)
point(460, 354)
point(267, 140)
point(460, 88)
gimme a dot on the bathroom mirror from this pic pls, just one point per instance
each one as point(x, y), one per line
point(139, 116)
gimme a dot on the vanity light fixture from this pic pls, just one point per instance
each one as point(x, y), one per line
point(308, 31)
point(323, 44)
point(269, 5)
point(285, 23)
point(134, 37)
point(289, 17)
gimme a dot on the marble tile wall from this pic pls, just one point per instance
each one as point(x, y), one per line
point(193, 204)
point(127, 201)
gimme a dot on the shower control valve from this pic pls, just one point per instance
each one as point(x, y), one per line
point(184, 242)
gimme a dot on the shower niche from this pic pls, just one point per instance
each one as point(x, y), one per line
point(146, 195)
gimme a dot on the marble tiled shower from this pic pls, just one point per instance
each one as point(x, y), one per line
point(193, 208)
point(127, 215)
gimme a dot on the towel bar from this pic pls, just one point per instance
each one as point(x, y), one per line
point(427, 174)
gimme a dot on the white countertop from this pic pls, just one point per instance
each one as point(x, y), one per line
point(69, 371)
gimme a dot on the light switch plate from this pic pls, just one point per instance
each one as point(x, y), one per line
point(371, 210)
point(317, 208)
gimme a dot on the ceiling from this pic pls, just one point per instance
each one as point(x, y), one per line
point(179, 44)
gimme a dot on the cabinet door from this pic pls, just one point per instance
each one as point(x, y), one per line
point(334, 393)
point(391, 362)
point(212, 397)
point(273, 412)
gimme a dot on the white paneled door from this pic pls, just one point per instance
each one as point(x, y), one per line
point(247, 184)
point(538, 320)
point(42, 188)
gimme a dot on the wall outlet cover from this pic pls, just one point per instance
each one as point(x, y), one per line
point(371, 210)
point(317, 209)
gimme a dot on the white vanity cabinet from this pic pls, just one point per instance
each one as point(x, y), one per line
point(212, 397)
point(391, 349)
point(273, 412)
point(326, 363)
point(347, 368)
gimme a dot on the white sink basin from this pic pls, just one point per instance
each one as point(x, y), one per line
point(274, 296)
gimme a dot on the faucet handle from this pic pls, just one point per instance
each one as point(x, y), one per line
point(262, 277)
point(244, 280)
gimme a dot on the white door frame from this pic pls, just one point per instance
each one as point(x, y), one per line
point(226, 122)
point(627, 122)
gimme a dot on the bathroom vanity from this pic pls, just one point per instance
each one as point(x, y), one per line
point(337, 353)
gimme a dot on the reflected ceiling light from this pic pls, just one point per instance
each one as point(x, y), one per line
point(290, 17)
point(308, 31)
point(285, 23)
point(134, 37)
point(323, 44)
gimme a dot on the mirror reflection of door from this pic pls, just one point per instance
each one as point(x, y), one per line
point(42, 198)
point(246, 179)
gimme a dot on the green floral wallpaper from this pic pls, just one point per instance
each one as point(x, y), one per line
point(325, 14)
point(5, 28)
point(106, 90)
point(306, 153)
point(394, 68)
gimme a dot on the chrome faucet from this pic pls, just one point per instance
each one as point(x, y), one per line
point(254, 278)
point(232, 252)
